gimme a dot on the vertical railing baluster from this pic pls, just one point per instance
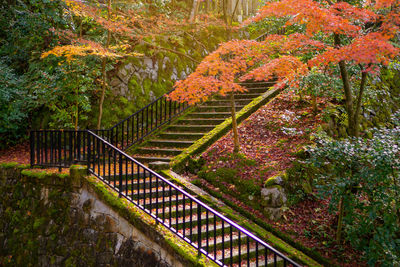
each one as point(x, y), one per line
point(51, 148)
point(198, 228)
point(223, 242)
point(207, 231)
point(32, 147)
point(59, 151)
point(156, 198)
point(191, 220)
point(256, 254)
point(239, 249)
point(231, 244)
point(89, 151)
point(184, 215)
point(45, 146)
point(120, 175)
point(163, 201)
point(215, 237)
point(266, 256)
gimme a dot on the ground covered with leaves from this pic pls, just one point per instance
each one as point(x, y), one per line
point(271, 140)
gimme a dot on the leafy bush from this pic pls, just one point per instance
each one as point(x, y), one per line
point(14, 106)
point(363, 180)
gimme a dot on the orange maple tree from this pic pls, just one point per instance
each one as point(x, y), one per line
point(332, 36)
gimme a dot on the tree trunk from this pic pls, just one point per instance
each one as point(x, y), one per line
point(225, 10)
point(347, 91)
point(314, 103)
point(194, 11)
point(234, 11)
point(236, 144)
point(358, 106)
point(340, 221)
point(103, 72)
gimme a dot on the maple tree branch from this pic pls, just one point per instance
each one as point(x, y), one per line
point(171, 50)
point(200, 43)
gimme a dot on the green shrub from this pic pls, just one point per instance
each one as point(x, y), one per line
point(363, 183)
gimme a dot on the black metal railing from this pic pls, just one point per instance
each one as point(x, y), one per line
point(61, 148)
point(136, 127)
point(263, 36)
point(200, 226)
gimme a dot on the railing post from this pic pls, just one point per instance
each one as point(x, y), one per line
point(198, 229)
point(120, 175)
point(59, 151)
point(89, 151)
point(32, 144)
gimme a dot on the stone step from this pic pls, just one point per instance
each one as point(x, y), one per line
point(141, 194)
point(201, 121)
point(150, 158)
point(245, 95)
point(226, 102)
point(204, 108)
point(191, 128)
point(159, 151)
point(170, 143)
point(221, 115)
point(233, 257)
point(257, 90)
point(257, 84)
point(181, 135)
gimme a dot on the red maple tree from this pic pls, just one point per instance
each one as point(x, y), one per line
point(333, 35)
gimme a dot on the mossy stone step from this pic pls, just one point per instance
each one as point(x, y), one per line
point(245, 95)
point(244, 253)
point(258, 90)
point(170, 143)
point(157, 203)
point(201, 121)
point(226, 102)
point(176, 211)
point(191, 128)
point(147, 159)
point(226, 108)
point(222, 242)
point(159, 151)
point(222, 115)
point(139, 195)
point(257, 84)
point(181, 135)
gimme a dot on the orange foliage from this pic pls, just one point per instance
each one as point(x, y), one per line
point(367, 31)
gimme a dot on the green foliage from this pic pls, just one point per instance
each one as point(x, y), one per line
point(15, 104)
point(365, 174)
point(230, 177)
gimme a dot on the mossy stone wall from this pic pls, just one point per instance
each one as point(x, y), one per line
point(61, 220)
point(137, 81)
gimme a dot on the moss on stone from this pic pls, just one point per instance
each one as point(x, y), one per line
point(8, 165)
point(178, 163)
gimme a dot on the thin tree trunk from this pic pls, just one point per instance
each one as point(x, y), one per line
point(234, 11)
point(236, 144)
point(103, 72)
point(347, 90)
point(195, 8)
point(314, 103)
point(340, 221)
point(224, 10)
point(358, 105)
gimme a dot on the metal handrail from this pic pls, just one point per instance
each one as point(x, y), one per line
point(187, 195)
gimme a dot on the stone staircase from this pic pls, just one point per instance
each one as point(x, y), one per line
point(171, 140)
point(217, 237)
